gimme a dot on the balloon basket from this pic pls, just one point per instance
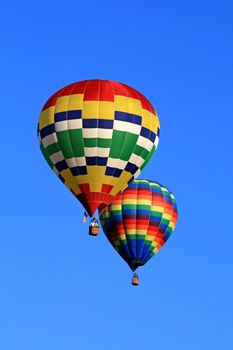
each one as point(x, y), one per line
point(93, 231)
point(135, 281)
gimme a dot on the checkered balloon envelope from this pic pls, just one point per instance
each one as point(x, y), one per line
point(97, 136)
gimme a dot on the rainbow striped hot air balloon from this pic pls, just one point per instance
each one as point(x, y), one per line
point(139, 221)
point(97, 136)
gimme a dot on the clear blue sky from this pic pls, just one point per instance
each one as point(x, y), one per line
point(61, 289)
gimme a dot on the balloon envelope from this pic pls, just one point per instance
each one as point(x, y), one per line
point(97, 135)
point(139, 221)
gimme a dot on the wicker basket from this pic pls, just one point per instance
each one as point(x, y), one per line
point(135, 281)
point(93, 231)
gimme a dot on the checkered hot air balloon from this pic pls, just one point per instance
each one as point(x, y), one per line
point(97, 136)
point(139, 221)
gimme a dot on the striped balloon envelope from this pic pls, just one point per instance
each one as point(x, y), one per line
point(139, 221)
point(97, 136)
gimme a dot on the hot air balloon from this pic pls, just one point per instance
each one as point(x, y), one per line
point(139, 221)
point(97, 136)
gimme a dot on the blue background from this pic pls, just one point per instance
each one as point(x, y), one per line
point(61, 289)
